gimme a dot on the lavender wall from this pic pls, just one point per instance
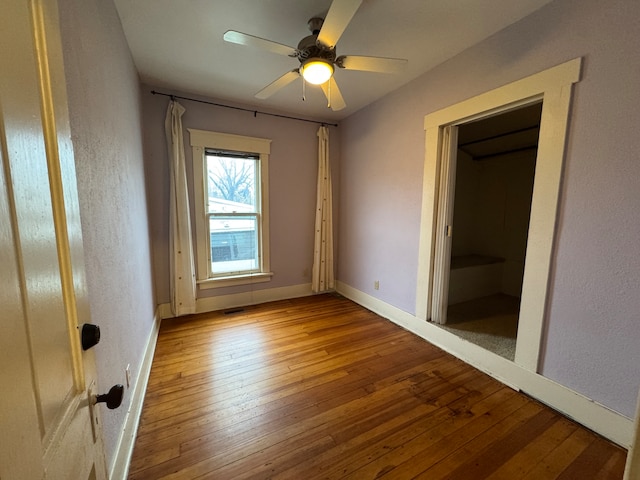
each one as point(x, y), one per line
point(593, 321)
point(104, 105)
point(292, 184)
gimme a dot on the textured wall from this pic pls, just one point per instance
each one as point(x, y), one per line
point(105, 116)
point(293, 166)
point(593, 321)
point(491, 212)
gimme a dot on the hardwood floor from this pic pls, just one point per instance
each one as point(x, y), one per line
point(320, 387)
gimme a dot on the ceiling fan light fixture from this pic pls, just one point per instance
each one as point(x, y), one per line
point(316, 71)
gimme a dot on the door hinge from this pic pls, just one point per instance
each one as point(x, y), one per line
point(92, 410)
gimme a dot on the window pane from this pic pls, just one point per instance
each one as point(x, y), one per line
point(231, 184)
point(234, 244)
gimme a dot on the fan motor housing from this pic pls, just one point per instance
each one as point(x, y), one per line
point(308, 47)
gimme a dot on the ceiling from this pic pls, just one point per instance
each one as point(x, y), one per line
point(178, 45)
point(509, 132)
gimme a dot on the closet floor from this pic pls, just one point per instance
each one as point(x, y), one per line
point(489, 322)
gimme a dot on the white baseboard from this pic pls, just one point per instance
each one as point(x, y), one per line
point(254, 297)
point(164, 310)
point(122, 459)
point(602, 420)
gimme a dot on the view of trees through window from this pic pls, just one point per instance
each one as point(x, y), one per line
point(233, 210)
point(232, 179)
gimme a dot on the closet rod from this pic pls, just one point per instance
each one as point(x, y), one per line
point(255, 112)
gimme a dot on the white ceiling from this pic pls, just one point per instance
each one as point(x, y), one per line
point(177, 44)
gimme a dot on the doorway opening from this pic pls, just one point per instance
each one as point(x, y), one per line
point(491, 181)
point(553, 88)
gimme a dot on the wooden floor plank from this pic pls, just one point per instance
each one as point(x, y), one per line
point(552, 466)
point(319, 387)
point(368, 454)
point(484, 454)
point(427, 452)
point(520, 464)
point(591, 462)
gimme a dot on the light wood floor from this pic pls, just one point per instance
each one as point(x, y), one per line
point(319, 387)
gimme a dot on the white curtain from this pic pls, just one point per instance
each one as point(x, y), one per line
point(182, 269)
point(322, 278)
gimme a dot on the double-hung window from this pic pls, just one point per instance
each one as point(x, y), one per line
point(231, 208)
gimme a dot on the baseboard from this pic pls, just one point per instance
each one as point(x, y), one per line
point(122, 459)
point(602, 420)
point(164, 310)
point(253, 297)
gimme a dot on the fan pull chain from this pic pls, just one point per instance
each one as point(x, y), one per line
point(304, 95)
point(329, 94)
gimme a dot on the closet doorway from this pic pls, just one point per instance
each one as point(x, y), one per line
point(552, 88)
point(490, 183)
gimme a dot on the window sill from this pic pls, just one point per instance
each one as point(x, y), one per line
point(235, 280)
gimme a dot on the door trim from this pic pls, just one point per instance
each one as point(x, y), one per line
point(553, 87)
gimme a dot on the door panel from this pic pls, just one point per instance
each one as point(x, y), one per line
point(46, 423)
point(20, 429)
point(45, 312)
point(444, 223)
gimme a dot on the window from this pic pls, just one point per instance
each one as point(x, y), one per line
point(231, 208)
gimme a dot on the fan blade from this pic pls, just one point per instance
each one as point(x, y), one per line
point(371, 64)
point(338, 17)
point(334, 97)
point(240, 38)
point(276, 85)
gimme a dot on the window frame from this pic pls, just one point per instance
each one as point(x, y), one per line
point(201, 141)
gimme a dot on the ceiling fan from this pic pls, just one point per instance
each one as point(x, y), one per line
point(317, 54)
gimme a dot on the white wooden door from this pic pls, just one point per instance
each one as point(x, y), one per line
point(46, 426)
point(444, 224)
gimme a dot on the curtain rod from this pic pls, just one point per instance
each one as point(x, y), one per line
point(255, 112)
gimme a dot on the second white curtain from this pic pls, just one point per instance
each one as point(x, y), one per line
point(322, 277)
point(182, 265)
